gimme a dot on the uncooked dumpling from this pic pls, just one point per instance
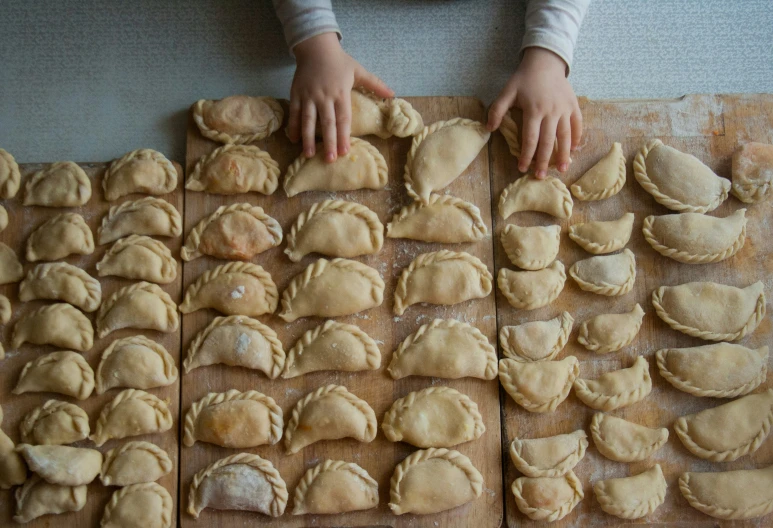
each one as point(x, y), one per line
point(13, 472)
point(143, 171)
point(615, 389)
point(5, 311)
point(382, 117)
point(142, 305)
point(607, 333)
point(60, 281)
point(64, 465)
point(62, 184)
point(11, 269)
point(60, 236)
point(135, 362)
point(134, 463)
point(139, 257)
point(632, 497)
point(601, 237)
point(61, 325)
point(624, 441)
point(3, 218)
point(740, 494)
point(236, 288)
point(62, 372)
point(552, 456)
point(538, 386)
point(148, 216)
point(609, 275)
point(235, 169)
point(444, 219)
point(548, 196)
point(145, 505)
point(10, 176)
point(531, 248)
point(752, 172)
point(37, 498)
point(54, 423)
point(132, 412)
point(536, 340)
point(528, 290)
point(334, 486)
point(238, 118)
point(547, 499)
point(604, 179)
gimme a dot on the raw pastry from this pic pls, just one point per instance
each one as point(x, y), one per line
point(134, 463)
point(11, 269)
point(445, 348)
point(145, 505)
point(615, 389)
point(139, 257)
point(694, 238)
point(677, 180)
point(433, 480)
point(632, 497)
point(740, 494)
point(234, 419)
point(234, 232)
point(335, 228)
point(5, 310)
point(135, 362)
point(131, 413)
point(711, 311)
point(329, 413)
point(528, 290)
point(383, 117)
point(609, 275)
point(54, 423)
point(442, 277)
point(607, 333)
point(547, 499)
point(243, 482)
point(536, 340)
point(444, 219)
point(440, 153)
point(10, 176)
point(530, 194)
point(531, 248)
point(60, 325)
point(142, 305)
point(235, 169)
point(538, 386)
point(237, 341)
point(433, 417)
point(721, 370)
point(38, 497)
point(238, 118)
point(363, 167)
point(332, 346)
point(552, 456)
point(144, 171)
point(334, 486)
point(63, 372)
point(148, 216)
point(58, 464)
point(729, 431)
point(60, 236)
point(62, 282)
point(62, 184)
point(332, 288)
point(752, 172)
point(604, 179)
point(603, 236)
point(3, 218)
point(236, 288)
point(510, 129)
point(13, 472)
point(624, 441)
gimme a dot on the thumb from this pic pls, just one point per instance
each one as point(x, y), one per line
point(370, 82)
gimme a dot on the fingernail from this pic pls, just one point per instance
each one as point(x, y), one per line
point(523, 168)
point(541, 174)
point(309, 153)
point(331, 157)
point(563, 167)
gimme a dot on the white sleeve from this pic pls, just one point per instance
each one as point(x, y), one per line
point(303, 19)
point(554, 25)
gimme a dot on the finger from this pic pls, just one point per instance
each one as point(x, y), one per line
point(564, 138)
point(576, 123)
point(547, 141)
point(370, 82)
point(499, 108)
point(343, 109)
point(294, 121)
point(308, 125)
point(327, 118)
point(529, 140)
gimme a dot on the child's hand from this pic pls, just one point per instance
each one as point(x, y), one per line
point(324, 77)
point(550, 110)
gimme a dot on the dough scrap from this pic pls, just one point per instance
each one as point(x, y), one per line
point(54, 423)
point(10, 177)
point(145, 171)
point(11, 269)
point(604, 179)
point(238, 118)
point(139, 257)
point(142, 305)
point(531, 248)
point(536, 340)
point(528, 290)
point(752, 172)
point(235, 169)
point(739, 494)
point(632, 497)
point(334, 486)
point(62, 282)
point(36, 498)
point(61, 325)
point(134, 463)
point(235, 288)
point(624, 441)
point(548, 196)
point(131, 413)
point(607, 333)
point(615, 389)
point(552, 456)
point(146, 505)
point(609, 275)
point(539, 386)
point(383, 117)
point(13, 471)
point(547, 499)
point(135, 362)
point(601, 237)
point(60, 236)
point(444, 218)
point(149, 216)
point(62, 184)
point(63, 465)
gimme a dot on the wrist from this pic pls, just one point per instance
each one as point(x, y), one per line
point(317, 45)
point(542, 59)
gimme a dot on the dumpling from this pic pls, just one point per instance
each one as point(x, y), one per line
point(729, 431)
point(237, 341)
point(334, 486)
point(547, 499)
point(604, 179)
point(235, 169)
point(135, 362)
point(694, 238)
point(383, 117)
point(433, 417)
point(11, 269)
point(440, 153)
point(145, 505)
point(236, 288)
point(677, 180)
point(131, 413)
point(332, 288)
point(64, 465)
point(510, 127)
point(148, 216)
point(329, 413)
point(62, 282)
point(134, 463)
point(363, 167)
point(60, 236)
point(10, 177)
point(139, 257)
point(720, 370)
point(607, 333)
point(603, 236)
point(552, 456)
point(332, 346)
point(62, 372)
point(3, 218)
point(442, 277)
point(548, 196)
point(54, 423)
point(609, 275)
point(60, 325)
point(37, 497)
point(752, 172)
point(335, 228)
point(144, 171)
point(615, 389)
point(238, 118)
point(243, 482)
point(711, 311)
point(234, 419)
point(62, 184)
point(432, 481)
point(5, 310)
point(142, 305)
point(739, 494)
point(234, 232)
point(445, 349)
point(13, 471)
point(531, 248)
point(538, 386)
point(536, 340)
point(528, 290)
point(624, 441)
point(632, 497)
point(444, 219)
